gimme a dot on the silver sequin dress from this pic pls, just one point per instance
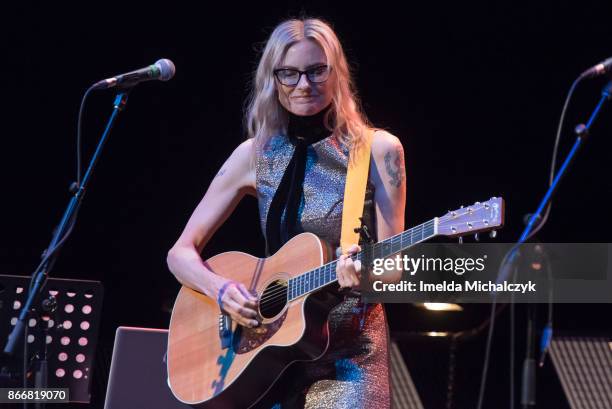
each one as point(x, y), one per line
point(354, 373)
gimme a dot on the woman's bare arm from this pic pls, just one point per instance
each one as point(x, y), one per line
point(235, 179)
point(389, 177)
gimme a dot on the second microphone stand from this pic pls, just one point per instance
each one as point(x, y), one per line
point(528, 395)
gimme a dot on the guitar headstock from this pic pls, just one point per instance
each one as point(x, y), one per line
point(479, 217)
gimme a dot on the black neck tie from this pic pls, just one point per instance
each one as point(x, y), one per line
point(302, 132)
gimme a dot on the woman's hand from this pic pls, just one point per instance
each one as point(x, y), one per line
point(234, 298)
point(347, 270)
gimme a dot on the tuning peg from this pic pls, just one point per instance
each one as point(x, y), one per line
point(476, 237)
point(493, 234)
point(460, 239)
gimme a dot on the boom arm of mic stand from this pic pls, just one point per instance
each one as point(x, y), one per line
point(582, 131)
point(51, 253)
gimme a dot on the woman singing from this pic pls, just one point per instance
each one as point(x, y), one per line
point(303, 122)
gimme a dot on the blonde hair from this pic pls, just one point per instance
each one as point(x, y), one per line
point(266, 117)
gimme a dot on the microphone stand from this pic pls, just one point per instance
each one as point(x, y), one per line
point(528, 396)
point(41, 378)
point(50, 255)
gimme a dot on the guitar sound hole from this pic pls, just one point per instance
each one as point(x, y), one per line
point(273, 299)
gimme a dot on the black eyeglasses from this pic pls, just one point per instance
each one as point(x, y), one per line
point(291, 77)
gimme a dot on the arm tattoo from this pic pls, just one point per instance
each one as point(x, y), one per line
point(394, 164)
point(220, 173)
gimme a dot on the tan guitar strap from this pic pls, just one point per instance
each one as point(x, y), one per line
point(354, 192)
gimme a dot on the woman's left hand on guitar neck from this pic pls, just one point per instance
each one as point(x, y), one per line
point(347, 270)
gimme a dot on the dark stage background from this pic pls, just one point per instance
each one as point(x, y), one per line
point(474, 92)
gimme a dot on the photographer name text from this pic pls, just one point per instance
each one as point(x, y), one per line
point(451, 286)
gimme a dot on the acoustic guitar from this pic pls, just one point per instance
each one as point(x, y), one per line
point(215, 363)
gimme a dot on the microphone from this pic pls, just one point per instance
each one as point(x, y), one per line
point(162, 70)
point(599, 69)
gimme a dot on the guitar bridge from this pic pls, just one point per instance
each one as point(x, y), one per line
point(225, 330)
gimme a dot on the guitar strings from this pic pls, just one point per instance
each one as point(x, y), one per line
point(294, 283)
point(278, 293)
point(281, 291)
point(388, 242)
point(273, 293)
point(268, 294)
point(273, 303)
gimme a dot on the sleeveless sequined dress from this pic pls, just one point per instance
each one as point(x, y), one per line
point(354, 373)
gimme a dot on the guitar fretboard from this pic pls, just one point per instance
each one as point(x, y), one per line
point(320, 277)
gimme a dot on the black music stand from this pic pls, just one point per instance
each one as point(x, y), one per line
point(63, 342)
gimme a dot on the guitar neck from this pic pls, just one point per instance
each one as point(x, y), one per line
point(313, 280)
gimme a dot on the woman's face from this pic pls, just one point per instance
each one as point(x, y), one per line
point(305, 97)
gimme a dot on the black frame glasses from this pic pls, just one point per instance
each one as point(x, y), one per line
point(311, 75)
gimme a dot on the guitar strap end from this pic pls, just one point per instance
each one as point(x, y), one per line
point(354, 192)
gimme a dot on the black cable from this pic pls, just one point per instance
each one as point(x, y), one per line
point(485, 367)
point(79, 135)
point(545, 343)
point(512, 343)
point(535, 230)
point(25, 361)
point(489, 342)
point(52, 250)
point(553, 163)
point(551, 295)
point(450, 378)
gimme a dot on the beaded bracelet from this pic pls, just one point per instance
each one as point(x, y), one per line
point(222, 291)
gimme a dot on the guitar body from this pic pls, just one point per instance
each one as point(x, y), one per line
point(203, 374)
point(206, 374)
